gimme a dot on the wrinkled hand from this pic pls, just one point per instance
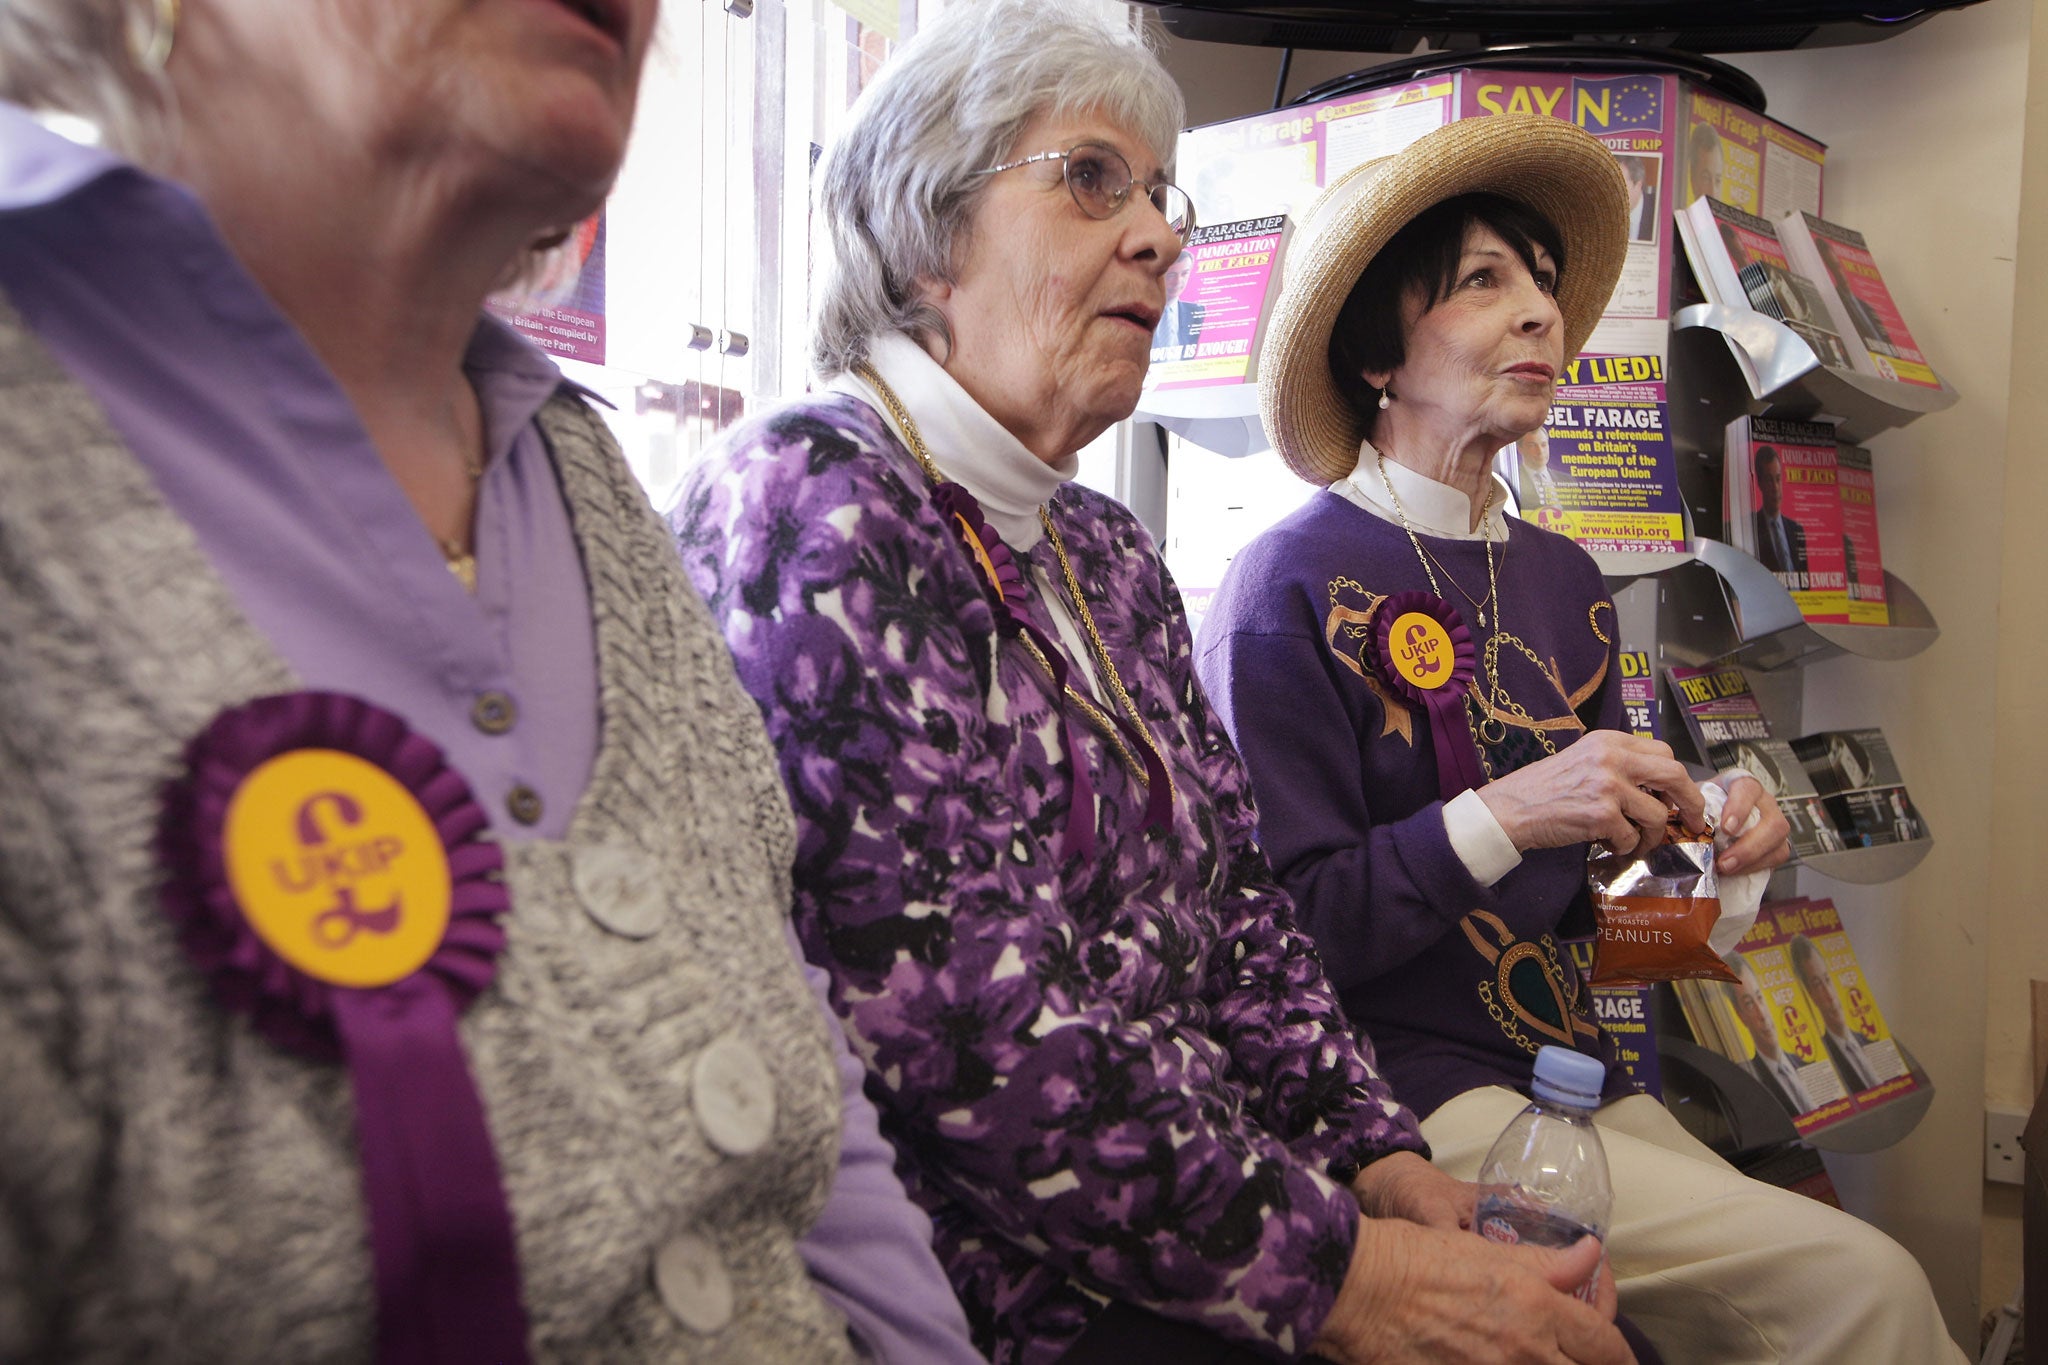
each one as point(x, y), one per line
point(1423, 1296)
point(1765, 844)
point(1405, 1185)
point(1608, 787)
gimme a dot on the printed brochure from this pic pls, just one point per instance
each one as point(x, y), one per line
point(1220, 292)
point(1784, 510)
point(1862, 556)
point(1839, 263)
point(1859, 784)
point(1740, 263)
point(1728, 729)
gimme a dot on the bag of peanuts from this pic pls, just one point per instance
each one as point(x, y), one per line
point(1654, 911)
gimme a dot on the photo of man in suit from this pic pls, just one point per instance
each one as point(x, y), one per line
point(1180, 326)
point(1705, 164)
point(1773, 1070)
point(1641, 174)
point(1536, 488)
point(1780, 541)
point(1844, 1044)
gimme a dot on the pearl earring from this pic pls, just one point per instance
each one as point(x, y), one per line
point(1386, 400)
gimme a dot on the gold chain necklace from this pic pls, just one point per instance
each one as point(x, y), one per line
point(1491, 729)
point(1479, 604)
point(1101, 651)
point(462, 562)
point(1100, 721)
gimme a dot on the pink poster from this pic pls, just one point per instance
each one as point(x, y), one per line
point(559, 307)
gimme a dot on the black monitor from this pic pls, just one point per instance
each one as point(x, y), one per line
point(1605, 58)
point(1466, 25)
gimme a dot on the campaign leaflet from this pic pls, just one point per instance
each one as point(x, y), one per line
point(1728, 730)
point(1777, 1037)
point(1624, 1011)
point(1792, 519)
point(1773, 763)
point(1718, 709)
point(1601, 468)
point(1250, 179)
point(1278, 162)
point(1852, 1027)
point(1740, 262)
point(1859, 784)
point(1639, 695)
point(1862, 556)
point(1220, 291)
point(1836, 259)
point(1632, 115)
point(560, 305)
point(1781, 774)
point(1729, 152)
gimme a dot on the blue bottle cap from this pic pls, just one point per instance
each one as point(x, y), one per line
point(1567, 1077)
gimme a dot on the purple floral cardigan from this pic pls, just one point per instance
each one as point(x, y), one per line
point(1124, 1077)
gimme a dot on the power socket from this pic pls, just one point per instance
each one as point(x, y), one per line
point(2004, 1160)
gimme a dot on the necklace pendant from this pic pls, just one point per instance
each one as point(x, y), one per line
point(461, 564)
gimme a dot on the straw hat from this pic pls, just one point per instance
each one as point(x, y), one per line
point(1565, 174)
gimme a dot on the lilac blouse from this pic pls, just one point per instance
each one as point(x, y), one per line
point(123, 276)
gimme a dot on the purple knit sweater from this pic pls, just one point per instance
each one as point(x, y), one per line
point(1123, 1077)
point(1456, 983)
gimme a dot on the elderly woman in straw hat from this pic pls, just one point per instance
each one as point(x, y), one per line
point(1426, 696)
point(1116, 1074)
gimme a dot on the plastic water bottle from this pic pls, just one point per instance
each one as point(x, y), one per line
point(1544, 1183)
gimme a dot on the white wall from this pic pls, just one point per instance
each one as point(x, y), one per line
point(1925, 137)
point(2019, 881)
point(1925, 155)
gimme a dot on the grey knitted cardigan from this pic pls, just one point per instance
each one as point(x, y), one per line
point(174, 1188)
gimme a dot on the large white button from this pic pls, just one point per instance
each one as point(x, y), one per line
point(620, 888)
point(734, 1096)
point(693, 1283)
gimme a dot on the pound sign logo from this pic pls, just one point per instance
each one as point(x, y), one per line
point(337, 867)
point(340, 865)
point(1422, 650)
point(1419, 649)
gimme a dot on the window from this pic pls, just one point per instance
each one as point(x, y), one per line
point(707, 256)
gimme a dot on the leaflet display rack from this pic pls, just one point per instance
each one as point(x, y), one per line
point(1725, 363)
point(1791, 382)
point(1709, 387)
point(1754, 1120)
point(1755, 621)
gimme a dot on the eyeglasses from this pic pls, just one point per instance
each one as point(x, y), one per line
point(1101, 182)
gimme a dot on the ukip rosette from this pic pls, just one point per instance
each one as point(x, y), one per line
point(328, 873)
point(983, 545)
point(1421, 650)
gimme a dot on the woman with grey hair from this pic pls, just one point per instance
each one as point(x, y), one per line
point(393, 883)
point(1118, 1079)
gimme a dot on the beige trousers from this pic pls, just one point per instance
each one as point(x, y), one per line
point(1719, 1269)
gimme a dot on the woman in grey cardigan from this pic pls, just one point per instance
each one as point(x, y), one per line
point(392, 876)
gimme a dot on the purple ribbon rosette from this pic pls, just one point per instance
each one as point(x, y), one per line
point(327, 871)
point(1421, 649)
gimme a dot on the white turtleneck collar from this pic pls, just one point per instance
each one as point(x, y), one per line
point(1432, 508)
point(970, 447)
